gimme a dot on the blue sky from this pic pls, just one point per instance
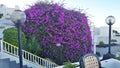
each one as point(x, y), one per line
point(97, 10)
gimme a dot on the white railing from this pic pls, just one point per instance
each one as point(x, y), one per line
point(13, 50)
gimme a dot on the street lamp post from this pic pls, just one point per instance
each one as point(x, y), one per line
point(110, 20)
point(19, 17)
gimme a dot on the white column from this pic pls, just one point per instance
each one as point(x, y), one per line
point(1, 45)
point(94, 45)
point(1, 48)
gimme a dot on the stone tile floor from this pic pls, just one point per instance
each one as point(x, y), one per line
point(110, 63)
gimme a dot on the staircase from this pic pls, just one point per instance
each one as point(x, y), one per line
point(6, 63)
point(9, 58)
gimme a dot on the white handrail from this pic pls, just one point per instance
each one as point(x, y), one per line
point(13, 50)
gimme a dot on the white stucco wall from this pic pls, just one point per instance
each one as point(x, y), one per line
point(102, 34)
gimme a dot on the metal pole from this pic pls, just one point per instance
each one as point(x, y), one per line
point(109, 51)
point(109, 54)
point(19, 43)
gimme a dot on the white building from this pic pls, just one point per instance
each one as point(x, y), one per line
point(102, 35)
point(5, 21)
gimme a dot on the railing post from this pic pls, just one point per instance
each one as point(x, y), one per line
point(1, 45)
point(1, 48)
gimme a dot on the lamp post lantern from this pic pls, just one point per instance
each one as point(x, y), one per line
point(19, 17)
point(110, 20)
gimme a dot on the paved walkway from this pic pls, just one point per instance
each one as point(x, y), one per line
point(110, 63)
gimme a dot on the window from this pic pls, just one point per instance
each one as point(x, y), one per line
point(1, 15)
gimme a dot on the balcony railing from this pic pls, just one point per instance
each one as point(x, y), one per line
point(13, 50)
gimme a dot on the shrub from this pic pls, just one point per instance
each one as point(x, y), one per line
point(69, 65)
point(2, 27)
point(33, 46)
point(101, 43)
point(10, 35)
point(51, 24)
point(118, 58)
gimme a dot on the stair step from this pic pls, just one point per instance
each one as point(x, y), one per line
point(6, 63)
point(13, 64)
point(25, 66)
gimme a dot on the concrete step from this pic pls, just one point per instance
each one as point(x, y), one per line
point(25, 66)
point(6, 63)
point(13, 64)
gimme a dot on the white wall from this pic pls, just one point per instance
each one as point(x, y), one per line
point(102, 34)
point(3, 21)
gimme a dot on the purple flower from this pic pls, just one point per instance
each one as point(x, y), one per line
point(52, 24)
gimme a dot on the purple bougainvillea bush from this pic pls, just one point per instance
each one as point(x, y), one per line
point(63, 34)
